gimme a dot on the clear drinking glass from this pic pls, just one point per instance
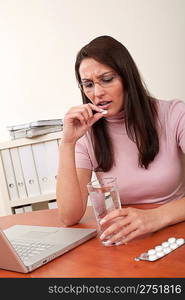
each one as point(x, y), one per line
point(104, 196)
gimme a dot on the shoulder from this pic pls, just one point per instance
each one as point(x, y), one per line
point(171, 117)
point(174, 106)
point(171, 110)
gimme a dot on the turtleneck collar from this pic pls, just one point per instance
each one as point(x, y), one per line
point(119, 117)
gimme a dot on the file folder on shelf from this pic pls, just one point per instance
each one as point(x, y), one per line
point(51, 122)
point(51, 148)
point(29, 171)
point(9, 173)
point(19, 177)
point(45, 165)
point(35, 128)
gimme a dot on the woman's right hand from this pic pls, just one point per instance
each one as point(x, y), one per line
point(78, 120)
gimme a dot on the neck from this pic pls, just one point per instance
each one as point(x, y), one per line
point(116, 118)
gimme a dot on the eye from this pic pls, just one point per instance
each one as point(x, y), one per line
point(107, 79)
point(87, 84)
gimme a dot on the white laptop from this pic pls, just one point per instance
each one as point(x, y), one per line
point(24, 248)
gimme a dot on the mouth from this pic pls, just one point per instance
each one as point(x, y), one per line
point(104, 104)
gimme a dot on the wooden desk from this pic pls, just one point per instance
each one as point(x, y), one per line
point(91, 259)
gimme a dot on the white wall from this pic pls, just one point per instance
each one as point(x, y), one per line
point(39, 40)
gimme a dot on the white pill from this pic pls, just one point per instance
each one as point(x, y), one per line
point(165, 244)
point(104, 112)
point(151, 252)
point(158, 248)
point(171, 240)
point(180, 241)
point(160, 253)
point(152, 257)
point(173, 246)
point(167, 250)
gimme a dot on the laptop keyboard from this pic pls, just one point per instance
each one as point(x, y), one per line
point(27, 249)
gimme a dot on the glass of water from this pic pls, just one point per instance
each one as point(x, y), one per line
point(104, 196)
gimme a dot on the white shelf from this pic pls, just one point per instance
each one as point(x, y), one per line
point(24, 178)
point(26, 201)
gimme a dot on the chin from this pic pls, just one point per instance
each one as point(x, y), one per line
point(112, 113)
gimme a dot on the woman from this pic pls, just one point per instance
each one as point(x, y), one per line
point(121, 131)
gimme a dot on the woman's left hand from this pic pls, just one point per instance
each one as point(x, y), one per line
point(129, 223)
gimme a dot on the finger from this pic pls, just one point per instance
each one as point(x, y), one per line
point(78, 116)
point(120, 235)
point(129, 228)
point(114, 214)
point(95, 107)
point(119, 240)
point(95, 118)
point(110, 231)
point(86, 115)
point(131, 236)
point(89, 110)
point(116, 226)
point(84, 111)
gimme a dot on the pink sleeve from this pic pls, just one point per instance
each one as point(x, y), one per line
point(82, 158)
point(178, 122)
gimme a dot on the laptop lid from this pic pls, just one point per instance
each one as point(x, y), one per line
point(9, 259)
point(59, 239)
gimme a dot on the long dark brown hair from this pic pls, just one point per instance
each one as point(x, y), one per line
point(139, 107)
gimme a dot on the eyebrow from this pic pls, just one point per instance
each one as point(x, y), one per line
point(99, 76)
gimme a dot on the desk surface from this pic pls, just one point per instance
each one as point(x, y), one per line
point(92, 259)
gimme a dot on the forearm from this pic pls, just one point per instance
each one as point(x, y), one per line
point(68, 191)
point(172, 212)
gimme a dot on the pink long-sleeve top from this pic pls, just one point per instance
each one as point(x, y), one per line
point(164, 179)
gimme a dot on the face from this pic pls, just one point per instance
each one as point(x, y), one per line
point(102, 86)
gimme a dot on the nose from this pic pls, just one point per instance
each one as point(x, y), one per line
point(98, 90)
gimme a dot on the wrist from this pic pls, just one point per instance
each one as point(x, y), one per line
point(67, 145)
point(162, 217)
point(68, 139)
point(66, 142)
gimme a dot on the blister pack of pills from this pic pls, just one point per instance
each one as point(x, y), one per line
point(161, 250)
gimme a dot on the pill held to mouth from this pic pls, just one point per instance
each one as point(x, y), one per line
point(104, 112)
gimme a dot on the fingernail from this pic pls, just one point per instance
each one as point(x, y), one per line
point(118, 243)
point(102, 236)
point(102, 221)
point(108, 242)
